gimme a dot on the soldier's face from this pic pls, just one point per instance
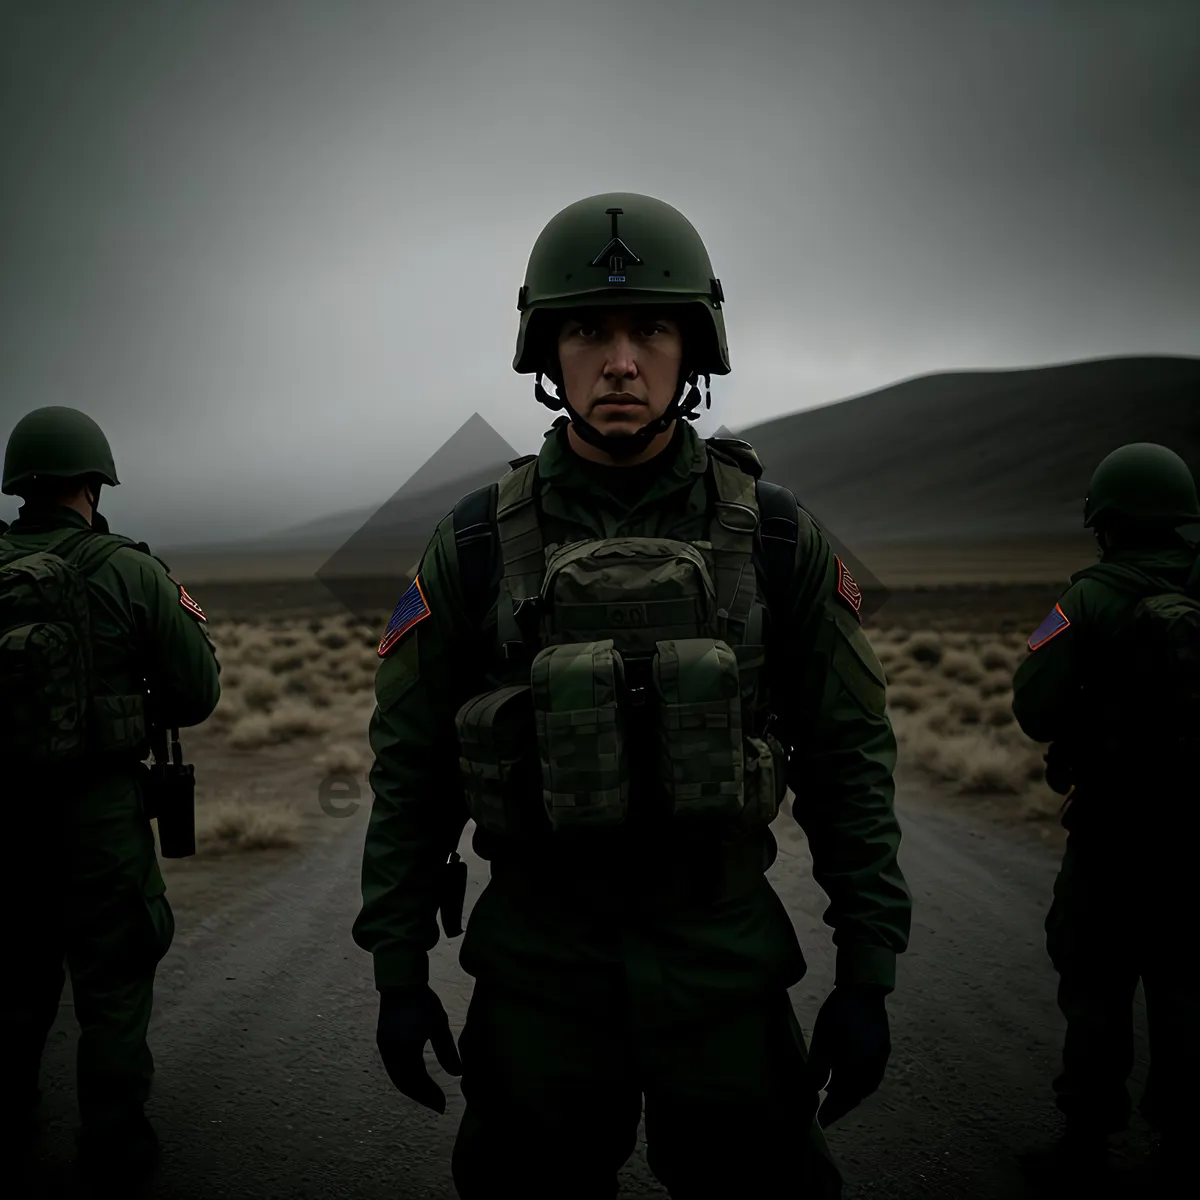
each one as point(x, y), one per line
point(620, 367)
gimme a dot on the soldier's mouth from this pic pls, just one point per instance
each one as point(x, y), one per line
point(621, 401)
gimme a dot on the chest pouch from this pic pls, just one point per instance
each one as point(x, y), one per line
point(698, 713)
point(581, 734)
point(498, 758)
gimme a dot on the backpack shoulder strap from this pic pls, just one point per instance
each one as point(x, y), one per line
point(476, 540)
point(519, 532)
point(732, 531)
point(93, 550)
point(778, 533)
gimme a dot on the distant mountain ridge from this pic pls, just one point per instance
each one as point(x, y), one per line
point(978, 454)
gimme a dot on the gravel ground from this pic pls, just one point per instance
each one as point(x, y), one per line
point(269, 1085)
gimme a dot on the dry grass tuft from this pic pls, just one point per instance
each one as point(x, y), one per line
point(950, 698)
point(949, 693)
point(234, 825)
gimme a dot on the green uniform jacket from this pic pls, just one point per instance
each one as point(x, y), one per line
point(142, 631)
point(549, 938)
point(1070, 648)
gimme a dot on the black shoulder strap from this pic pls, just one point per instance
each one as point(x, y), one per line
point(778, 531)
point(475, 538)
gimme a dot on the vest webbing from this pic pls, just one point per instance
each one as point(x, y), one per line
point(732, 523)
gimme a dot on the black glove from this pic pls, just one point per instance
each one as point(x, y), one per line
point(850, 1048)
point(408, 1018)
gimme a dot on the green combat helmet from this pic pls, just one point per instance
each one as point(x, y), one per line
point(58, 442)
point(1145, 483)
point(621, 249)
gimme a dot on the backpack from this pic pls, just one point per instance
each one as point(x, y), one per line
point(46, 679)
point(624, 659)
point(1149, 701)
point(1164, 640)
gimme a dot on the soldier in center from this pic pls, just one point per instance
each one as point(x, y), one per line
point(615, 661)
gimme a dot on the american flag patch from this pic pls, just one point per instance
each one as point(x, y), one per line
point(411, 609)
point(847, 588)
point(190, 604)
point(1053, 625)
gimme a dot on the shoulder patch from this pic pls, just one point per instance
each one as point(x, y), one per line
point(411, 609)
point(1052, 626)
point(188, 603)
point(847, 588)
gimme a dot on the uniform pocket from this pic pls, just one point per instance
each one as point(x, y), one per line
point(497, 739)
point(859, 669)
point(581, 734)
point(160, 918)
point(700, 760)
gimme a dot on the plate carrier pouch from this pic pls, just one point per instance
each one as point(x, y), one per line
point(50, 714)
point(632, 670)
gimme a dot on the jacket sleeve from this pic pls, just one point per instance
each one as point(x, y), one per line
point(181, 663)
point(832, 712)
point(418, 812)
point(1047, 684)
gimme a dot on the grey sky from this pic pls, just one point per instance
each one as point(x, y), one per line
point(275, 247)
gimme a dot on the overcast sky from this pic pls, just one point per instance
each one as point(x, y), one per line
point(274, 248)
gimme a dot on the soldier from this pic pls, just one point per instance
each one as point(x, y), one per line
point(1112, 682)
point(89, 622)
point(615, 661)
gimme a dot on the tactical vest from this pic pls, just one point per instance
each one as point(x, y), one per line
point(630, 676)
point(51, 712)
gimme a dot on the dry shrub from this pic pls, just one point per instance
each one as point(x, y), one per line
point(288, 722)
point(231, 708)
point(251, 731)
point(292, 720)
point(996, 683)
point(972, 763)
point(903, 698)
point(925, 648)
point(343, 759)
point(960, 665)
point(291, 658)
point(995, 657)
point(953, 714)
point(236, 825)
point(259, 688)
point(334, 639)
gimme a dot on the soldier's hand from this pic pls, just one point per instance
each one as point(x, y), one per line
point(408, 1018)
point(851, 1043)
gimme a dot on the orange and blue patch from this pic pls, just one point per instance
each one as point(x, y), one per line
point(411, 609)
point(1052, 626)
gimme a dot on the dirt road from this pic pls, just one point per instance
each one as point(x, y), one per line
point(269, 1085)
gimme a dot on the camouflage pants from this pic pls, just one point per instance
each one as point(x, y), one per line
point(109, 923)
point(1108, 928)
point(554, 1100)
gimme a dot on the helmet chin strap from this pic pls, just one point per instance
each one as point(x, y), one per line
point(626, 445)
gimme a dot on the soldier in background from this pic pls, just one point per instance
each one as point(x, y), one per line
point(90, 622)
point(1112, 681)
point(615, 661)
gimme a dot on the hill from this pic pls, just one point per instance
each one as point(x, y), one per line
point(936, 466)
point(991, 454)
